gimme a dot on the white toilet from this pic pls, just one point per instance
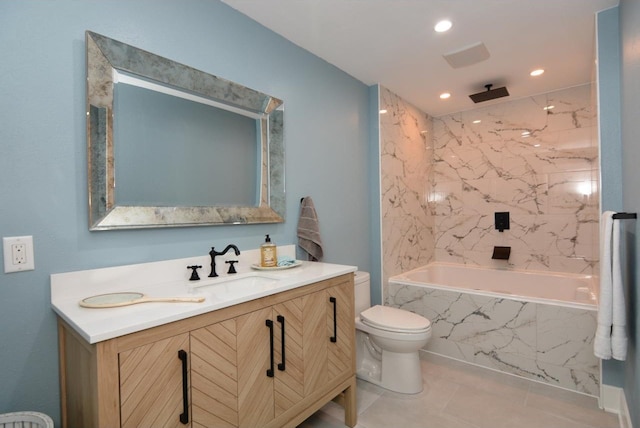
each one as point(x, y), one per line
point(387, 342)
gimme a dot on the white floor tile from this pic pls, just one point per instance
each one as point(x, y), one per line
point(459, 395)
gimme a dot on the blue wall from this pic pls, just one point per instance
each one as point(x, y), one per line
point(630, 90)
point(43, 157)
point(608, 40)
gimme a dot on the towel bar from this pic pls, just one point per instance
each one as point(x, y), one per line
point(625, 216)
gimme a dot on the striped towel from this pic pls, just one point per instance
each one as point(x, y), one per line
point(309, 230)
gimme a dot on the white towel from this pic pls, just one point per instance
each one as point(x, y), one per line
point(602, 341)
point(619, 329)
point(611, 306)
point(309, 230)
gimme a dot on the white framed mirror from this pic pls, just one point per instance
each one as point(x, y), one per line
point(171, 146)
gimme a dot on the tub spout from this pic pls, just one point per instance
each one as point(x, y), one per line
point(501, 253)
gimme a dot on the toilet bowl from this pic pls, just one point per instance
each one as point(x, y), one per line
point(387, 342)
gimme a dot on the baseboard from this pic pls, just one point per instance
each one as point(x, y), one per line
point(610, 398)
point(624, 416)
point(613, 400)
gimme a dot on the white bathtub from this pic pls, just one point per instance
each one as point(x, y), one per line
point(541, 287)
point(536, 325)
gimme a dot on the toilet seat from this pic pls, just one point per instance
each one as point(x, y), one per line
point(397, 320)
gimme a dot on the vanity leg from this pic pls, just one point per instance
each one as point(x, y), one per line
point(62, 356)
point(350, 408)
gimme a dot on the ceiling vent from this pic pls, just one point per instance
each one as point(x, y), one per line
point(467, 56)
point(489, 94)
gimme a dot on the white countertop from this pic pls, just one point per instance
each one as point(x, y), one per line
point(171, 279)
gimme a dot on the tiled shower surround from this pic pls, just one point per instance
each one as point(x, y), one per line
point(444, 178)
point(442, 181)
point(539, 165)
point(406, 163)
point(546, 343)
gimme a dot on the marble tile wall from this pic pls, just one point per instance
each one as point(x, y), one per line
point(546, 343)
point(406, 162)
point(439, 193)
point(539, 165)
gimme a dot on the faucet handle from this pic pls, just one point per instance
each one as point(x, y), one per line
point(194, 273)
point(232, 268)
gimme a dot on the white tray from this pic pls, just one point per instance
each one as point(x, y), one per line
point(295, 264)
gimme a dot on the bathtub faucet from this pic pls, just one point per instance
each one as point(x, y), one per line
point(501, 253)
point(213, 253)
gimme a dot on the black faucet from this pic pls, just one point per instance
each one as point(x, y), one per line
point(213, 253)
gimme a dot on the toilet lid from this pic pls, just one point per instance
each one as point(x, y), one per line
point(394, 319)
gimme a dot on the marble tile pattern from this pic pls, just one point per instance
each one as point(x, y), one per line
point(539, 165)
point(406, 159)
point(546, 343)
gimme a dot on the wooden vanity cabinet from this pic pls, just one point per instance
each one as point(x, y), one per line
point(270, 362)
point(270, 383)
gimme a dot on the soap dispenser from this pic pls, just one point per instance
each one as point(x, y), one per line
point(268, 256)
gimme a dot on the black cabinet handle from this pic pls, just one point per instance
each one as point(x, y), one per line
point(270, 325)
point(334, 338)
point(281, 366)
point(184, 416)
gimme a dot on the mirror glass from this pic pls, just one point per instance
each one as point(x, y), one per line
point(169, 145)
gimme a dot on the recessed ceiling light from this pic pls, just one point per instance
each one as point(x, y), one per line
point(445, 95)
point(383, 111)
point(537, 72)
point(442, 26)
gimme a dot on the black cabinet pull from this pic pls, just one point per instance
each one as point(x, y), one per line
point(334, 338)
point(184, 416)
point(270, 325)
point(281, 366)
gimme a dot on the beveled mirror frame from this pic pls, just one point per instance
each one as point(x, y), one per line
point(105, 57)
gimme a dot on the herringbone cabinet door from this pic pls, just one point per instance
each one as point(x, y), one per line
point(340, 358)
point(289, 373)
point(151, 384)
point(255, 388)
point(316, 342)
point(214, 376)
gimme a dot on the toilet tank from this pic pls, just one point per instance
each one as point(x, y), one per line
point(362, 291)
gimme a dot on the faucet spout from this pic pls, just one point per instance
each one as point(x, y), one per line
point(231, 246)
point(213, 253)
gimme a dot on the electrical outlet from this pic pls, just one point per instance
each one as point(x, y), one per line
point(18, 254)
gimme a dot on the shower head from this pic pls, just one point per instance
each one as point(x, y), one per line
point(489, 94)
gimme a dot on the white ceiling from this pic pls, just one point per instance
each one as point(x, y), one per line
point(392, 42)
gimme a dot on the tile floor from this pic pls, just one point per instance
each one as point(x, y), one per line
point(459, 395)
